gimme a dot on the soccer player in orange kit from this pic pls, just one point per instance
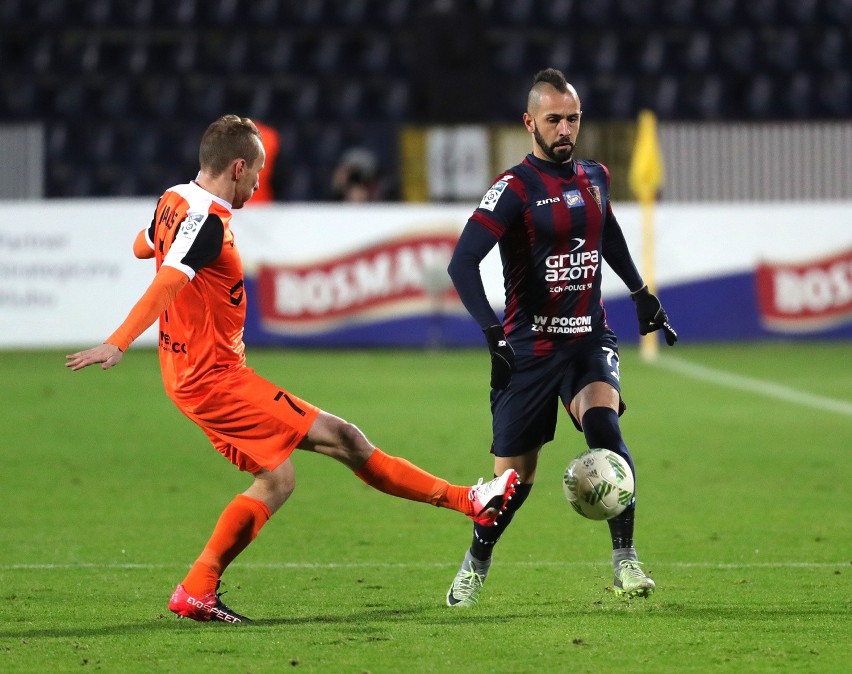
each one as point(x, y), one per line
point(199, 296)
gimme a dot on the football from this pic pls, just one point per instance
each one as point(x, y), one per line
point(598, 484)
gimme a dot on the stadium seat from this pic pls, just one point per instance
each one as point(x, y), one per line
point(309, 12)
point(69, 100)
point(797, 103)
point(693, 52)
point(373, 55)
point(511, 54)
point(159, 97)
point(829, 49)
point(834, 94)
point(112, 99)
point(203, 97)
point(272, 52)
point(134, 12)
point(761, 13)
point(760, 100)
point(221, 51)
point(305, 102)
point(56, 142)
point(838, 12)
point(638, 12)
point(218, 12)
point(49, 12)
point(138, 143)
point(737, 51)
point(263, 12)
point(779, 49)
point(661, 95)
point(68, 179)
point(596, 14)
point(394, 12)
point(19, 97)
point(561, 55)
point(512, 13)
point(649, 55)
point(703, 97)
point(799, 12)
point(679, 13)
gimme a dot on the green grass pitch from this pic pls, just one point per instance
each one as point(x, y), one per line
point(107, 494)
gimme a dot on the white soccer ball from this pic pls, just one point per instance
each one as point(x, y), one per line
point(598, 484)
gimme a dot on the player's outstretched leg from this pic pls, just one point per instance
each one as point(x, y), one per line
point(398, 477)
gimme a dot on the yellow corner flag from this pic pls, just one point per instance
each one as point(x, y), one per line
point(646, 165)
point(646, 179)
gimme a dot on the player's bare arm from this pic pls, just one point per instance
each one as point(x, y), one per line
point(157, 298)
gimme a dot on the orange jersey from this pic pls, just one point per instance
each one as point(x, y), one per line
point(201, 333)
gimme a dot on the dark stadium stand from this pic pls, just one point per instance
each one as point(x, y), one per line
point(124, 86)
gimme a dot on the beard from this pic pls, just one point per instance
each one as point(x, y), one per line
point(559, 152)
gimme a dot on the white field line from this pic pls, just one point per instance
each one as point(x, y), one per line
point(761, 387)
point(333, 566)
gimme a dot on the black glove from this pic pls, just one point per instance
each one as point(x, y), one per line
point(502, 356)
point(651, 315)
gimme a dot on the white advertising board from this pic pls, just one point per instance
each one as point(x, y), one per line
point(68, 276)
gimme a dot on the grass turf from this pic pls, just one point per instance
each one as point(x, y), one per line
point(107, 494)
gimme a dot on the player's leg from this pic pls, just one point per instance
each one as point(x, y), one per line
point(467, 585)
point(237, 526)
point(334, 437)
point(597, 406)
point(246, 423)
point(524, 418)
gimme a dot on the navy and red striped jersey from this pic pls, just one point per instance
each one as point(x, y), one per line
point(555, 226)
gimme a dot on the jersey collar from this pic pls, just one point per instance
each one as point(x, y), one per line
point(566, 170)
point(210, 195)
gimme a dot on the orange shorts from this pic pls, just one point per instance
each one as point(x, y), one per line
point(250, 421)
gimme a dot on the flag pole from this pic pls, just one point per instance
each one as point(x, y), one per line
point(646, 178)
point(649, 345)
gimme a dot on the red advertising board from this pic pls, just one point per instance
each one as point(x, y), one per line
point(807, 296)
point(395, 278)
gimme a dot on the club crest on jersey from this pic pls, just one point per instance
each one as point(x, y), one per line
point(191, 223)
point(573, 198)
point(595, 191)
point(489, 201)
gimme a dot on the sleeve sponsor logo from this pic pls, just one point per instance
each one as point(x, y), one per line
point(405, 277)
point(191, 224)
point(489, 201)
point(806, 297)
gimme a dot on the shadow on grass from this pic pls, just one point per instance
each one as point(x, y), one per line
point(171, 623)
point(441, 616)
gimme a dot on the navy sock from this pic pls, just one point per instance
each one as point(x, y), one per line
point(484, 538)
point(601, 428)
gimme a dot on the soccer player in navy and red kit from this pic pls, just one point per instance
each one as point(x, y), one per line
point(552, 219)
point(199, 297)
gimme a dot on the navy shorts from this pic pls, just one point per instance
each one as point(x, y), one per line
point(524, 414)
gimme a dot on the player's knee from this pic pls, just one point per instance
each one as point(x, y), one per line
point(352, 441)
point(273, 488)
point(285, 486)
